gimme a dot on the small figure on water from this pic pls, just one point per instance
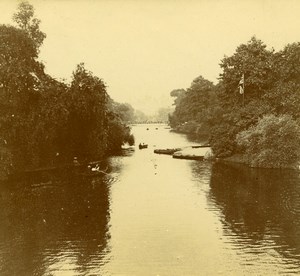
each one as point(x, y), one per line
point(75, 161)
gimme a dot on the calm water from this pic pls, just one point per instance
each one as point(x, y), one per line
point(153, 215)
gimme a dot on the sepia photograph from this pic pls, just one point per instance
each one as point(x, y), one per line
point(149, 137)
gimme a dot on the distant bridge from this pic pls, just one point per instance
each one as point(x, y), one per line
point(149, 122)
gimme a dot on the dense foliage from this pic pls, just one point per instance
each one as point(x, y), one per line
point(273, 142)
point(43, 121)
point(272, 90)
point(192, 111)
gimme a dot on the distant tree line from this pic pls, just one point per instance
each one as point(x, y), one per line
point(44, 121)
point(261, 124)
point(130, 115)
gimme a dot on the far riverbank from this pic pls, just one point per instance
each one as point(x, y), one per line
point(192, 130)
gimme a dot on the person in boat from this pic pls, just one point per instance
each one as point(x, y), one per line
point(141, 145)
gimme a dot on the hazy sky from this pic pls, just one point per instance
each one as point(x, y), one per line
point(144, 49)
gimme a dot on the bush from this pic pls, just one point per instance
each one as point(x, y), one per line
point(222, 140)
point(118, 134)
point(272, 143)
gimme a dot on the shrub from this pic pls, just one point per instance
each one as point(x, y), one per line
point(222, 140)
point(273, 143)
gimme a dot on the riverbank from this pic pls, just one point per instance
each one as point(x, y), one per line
point(244, 160)
point(236, 158)
point(193, 130)
point(84, 168)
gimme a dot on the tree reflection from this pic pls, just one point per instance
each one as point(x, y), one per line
point(44, 225)
point(259, 205)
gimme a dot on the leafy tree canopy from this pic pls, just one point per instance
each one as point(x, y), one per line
point(192, 104)
point(25, 20)
point(255, 62)
point(273, 142)
point(272, 92)
point(124, 110)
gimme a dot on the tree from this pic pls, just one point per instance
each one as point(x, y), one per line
point(287, 63)
point(284, 97)
point(19, 70)
point(272, 86)
point(236, 113)
point(273, 142)
point(87, 101)
point(50, 122)
point(124, 110)
point(41, 118)
point(194, 104)
point(20, 81)
point(25, 19)
point(199, 97)
point(178, 94)
point(255, 62)
point(118, 132)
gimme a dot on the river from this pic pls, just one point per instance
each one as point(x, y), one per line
point(153, 215)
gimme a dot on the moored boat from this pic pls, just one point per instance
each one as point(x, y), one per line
point(167, 151)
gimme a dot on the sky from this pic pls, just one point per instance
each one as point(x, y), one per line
point(143, 49)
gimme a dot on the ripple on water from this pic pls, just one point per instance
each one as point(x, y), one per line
point(154, 215)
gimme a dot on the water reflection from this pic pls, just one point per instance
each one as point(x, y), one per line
point(260, 210)
point(153, 215)
point(54, 226)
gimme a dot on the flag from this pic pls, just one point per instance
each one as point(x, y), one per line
point(242, 85)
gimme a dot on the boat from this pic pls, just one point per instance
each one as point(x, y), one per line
point(167, 151)
point(93, 171)
point(192, 153)
point(143, 146)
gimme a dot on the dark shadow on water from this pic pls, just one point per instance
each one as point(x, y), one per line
point(48, 223)
point(258, 207)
